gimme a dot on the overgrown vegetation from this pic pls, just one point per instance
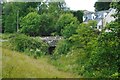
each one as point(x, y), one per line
point(22, 43)
point(40, 19)
point(17, 65)
point(92, 53)
point(84, 50)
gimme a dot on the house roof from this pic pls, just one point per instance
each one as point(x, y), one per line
point(87, 12)
point(99, 14)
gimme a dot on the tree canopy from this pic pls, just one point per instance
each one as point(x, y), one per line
point(66, 24)
point(100, 5)
point(30, 24)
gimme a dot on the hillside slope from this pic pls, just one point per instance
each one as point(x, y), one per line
point(18, 65)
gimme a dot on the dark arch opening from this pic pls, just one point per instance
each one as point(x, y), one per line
point(51, 49)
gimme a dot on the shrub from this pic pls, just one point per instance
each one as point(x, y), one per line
point(24, 43)
point(63, 47)
point(7, 36)
point(93, 55)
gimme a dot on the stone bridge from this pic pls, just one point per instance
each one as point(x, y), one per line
point(51, 41)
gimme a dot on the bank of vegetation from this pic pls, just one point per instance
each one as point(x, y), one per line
point(84, 50)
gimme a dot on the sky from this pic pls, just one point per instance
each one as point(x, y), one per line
point(77, 4)
point(81, 4)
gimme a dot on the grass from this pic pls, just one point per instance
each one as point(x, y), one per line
point(5, 36)
point(18, 65)
point(69, 62)
point(0, 60)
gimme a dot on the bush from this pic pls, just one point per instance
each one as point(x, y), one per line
point(90, 54)
point(6, 36)
point(104, 59)
point(24, 43)
point(63, 47)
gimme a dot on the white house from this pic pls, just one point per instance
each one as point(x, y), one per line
point(109, 17)
point(102, 17)
point(88, 16)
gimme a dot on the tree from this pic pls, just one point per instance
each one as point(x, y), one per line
point(43, 8)
point(64, 22)
point(116, 5)
point(14, 11)
point(27, 7)
point(46, 25)
point(96, 55)
point(116, 29)
point(69, 30)
point(84, 34)
point(55, 8)
point(104, 57)
point(9, 17)
point(79, 15)
point(99, 5)
point(10, 24)
point(30, 24)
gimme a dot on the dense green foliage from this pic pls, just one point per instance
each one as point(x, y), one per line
point(12, 12)
point(9, 18)
point(79, 15)
point(30, 24)
point(66, 25)
point(101, 5)
point(40, 19)
point(104, 57)
point(23, 43)
point(92, 54)
point(116, 5)
point(62, 48)
point(84, 50)
point(46, 26)
point(92, 23)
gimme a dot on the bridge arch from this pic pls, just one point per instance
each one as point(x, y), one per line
point(52, 42)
